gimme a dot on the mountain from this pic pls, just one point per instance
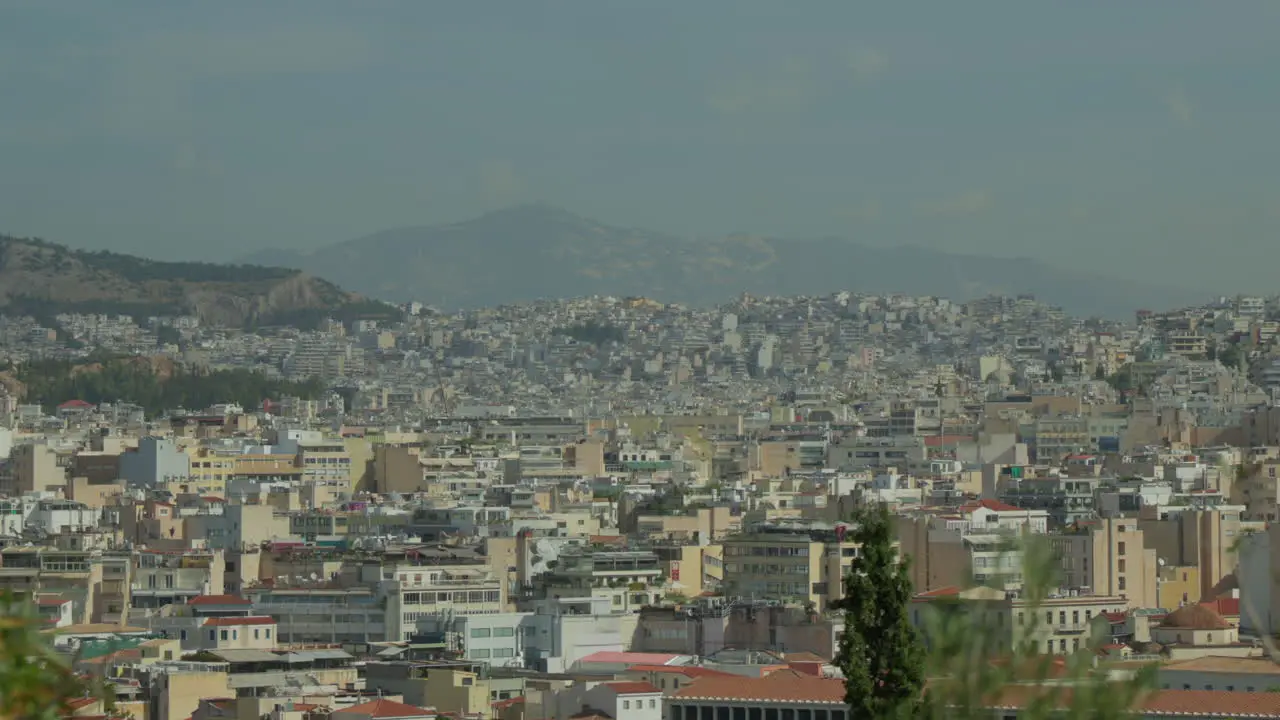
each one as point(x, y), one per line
point(43, 279)
point(538, 251)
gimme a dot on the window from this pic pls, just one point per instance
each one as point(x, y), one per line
point(1120, 565)
point(653, 703)
point(224, 634)
point(480, 632)
point(268, 633)
point(478, 654)
point(504, 652)
point(1120, 548)
point(255, 633)
point(626, 704)
point(1120, 580)
point(504, 632)
point(182, 634)
point(213, 635)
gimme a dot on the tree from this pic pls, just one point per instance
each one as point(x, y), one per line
point(980, 658)
point(35, 683)
point(881, 653)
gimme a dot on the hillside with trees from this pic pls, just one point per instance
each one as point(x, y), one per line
point(41, 279)
point(135, 380)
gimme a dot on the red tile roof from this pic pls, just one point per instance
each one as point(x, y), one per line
point(75, 405)
point(781, 686)
point(236, 621)
point(989, 504)
point(1173, 703)
point(386, 709)
point(934, 441)
point(632, 687)
point(1225, 606)
point(219, 600)
point(948, 591)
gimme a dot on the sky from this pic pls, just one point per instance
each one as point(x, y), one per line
point(1136, 138)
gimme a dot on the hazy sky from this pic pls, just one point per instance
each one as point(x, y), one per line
point(1139, 136)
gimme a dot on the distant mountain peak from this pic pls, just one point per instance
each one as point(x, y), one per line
point(532, 212)
point(539, 250)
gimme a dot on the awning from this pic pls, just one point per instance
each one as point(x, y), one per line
point(300, 656)
point(248, 656)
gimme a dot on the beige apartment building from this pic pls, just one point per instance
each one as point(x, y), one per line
point(1109, 557)
point(702, 524)
point(1059, 625)
point(1205, 539)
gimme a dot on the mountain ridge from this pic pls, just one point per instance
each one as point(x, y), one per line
point(527, 252)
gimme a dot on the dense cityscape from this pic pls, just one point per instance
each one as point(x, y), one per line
point(621, 508)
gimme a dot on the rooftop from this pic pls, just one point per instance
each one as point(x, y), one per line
point(780, 686)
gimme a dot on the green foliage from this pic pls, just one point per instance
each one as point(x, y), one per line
point(881, 653)
point(51, 383)
point(138, 269)
point(35, 682)
point(979, 659)
point(595, 333)
point(168, 335)
point(1228, 354)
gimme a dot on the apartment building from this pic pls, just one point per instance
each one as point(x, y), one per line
point(1066, 499)
point(74, 575)
point(1109, 557)
point(354, 616)
point(627, 579)
point(791, 453)
point(1203, 538)
point(803, 562)
point(1060, 624)
point(163, 578)
point(856, 452)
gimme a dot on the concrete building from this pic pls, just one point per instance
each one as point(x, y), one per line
point(1109, 557)
point(156, 461)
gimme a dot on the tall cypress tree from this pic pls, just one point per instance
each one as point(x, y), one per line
point(881, 654)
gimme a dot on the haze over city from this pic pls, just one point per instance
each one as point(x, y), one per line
point(1093, 133)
